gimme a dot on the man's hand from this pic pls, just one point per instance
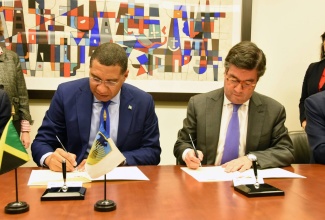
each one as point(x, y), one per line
point(303, 124)
point(54, 161)
point(81, 166)
point(192, 161)
point(240, 164)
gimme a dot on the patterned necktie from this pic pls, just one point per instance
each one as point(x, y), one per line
point(231, 147)
point(104, 117)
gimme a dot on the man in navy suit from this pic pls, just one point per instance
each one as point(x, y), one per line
point(315, 128)
point(73, 116)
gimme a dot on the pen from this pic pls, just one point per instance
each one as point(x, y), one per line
point(194, 148)
point(64, 172)
point(61, 143)
point(62, 146)
point(257, 185)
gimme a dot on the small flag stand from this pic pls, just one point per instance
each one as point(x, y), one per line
point(16, 207)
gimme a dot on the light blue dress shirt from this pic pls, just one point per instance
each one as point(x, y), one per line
point(113, 110)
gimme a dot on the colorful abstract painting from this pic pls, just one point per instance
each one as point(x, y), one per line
point(184, 40)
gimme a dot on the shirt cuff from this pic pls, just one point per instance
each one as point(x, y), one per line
point(43, 159)
point(185, 152)
point(25, 126)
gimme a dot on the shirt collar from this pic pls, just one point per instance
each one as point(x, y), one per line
point(115, 99)
point(227, 102)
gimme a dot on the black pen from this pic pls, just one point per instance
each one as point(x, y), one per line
point(64, 172)
point(257, 185)
point(194, 148)
point(62, 146)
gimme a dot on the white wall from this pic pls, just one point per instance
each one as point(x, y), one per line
point(288, 31)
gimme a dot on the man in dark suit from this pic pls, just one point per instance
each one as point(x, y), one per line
point(262, 134)
point(74, 115)
point(315, 128)
point(5, 109)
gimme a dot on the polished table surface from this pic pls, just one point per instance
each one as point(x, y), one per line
point(173, 194)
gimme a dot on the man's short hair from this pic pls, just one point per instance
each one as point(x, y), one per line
point(110, 54)
point(246, 55)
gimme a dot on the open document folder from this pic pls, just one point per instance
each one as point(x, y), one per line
point(43, 177)
point(217, 173)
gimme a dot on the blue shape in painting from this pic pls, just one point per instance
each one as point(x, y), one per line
point(142, 59)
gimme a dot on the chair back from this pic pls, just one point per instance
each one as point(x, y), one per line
point(302, 152)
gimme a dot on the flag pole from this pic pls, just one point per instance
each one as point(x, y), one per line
point(105, 205)
point(16, 183)
point(105, 187)
point(16, 207)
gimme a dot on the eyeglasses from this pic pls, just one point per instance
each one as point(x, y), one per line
point(244, 84)
point(107, 83)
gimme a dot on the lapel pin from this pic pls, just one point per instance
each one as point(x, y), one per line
point(130, 107)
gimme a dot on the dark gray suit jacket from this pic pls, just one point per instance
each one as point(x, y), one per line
point(267, 137)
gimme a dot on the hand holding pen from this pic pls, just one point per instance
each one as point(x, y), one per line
point(194, 148)
point(70, 158)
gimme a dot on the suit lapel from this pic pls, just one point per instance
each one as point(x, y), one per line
point(213, 114)
point(256, 116)
point(84, 102)
point(126, 114)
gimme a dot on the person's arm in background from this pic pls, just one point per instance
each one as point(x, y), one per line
point(304, 95)
point(315, 129)
point(23, 109)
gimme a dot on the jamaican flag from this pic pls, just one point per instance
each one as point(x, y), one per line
point(12, 152)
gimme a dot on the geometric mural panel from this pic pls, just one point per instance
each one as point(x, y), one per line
point(164, 40)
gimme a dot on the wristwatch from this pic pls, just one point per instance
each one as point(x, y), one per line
point(251, 157)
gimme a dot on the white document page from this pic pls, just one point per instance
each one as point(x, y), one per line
point(124, 173)
point(217, 173)
point(43, 177)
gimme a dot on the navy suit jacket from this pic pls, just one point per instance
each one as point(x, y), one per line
point(315, 128)
point(5, 110)
point(69, 117)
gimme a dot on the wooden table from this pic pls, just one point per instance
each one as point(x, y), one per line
point(173, 194)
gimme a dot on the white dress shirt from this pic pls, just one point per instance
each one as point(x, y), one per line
point(225, 118)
